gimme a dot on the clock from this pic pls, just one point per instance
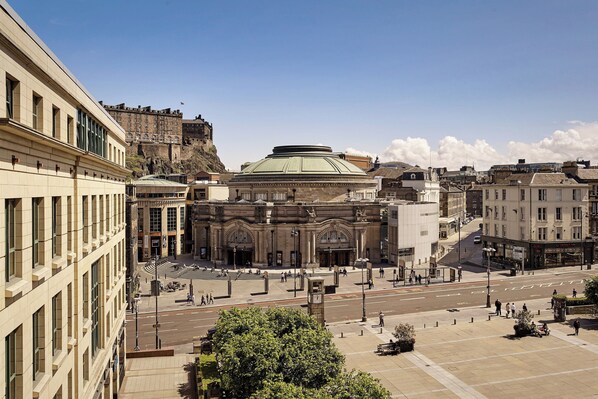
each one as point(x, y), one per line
point(317, 297)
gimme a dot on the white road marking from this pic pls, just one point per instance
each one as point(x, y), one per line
point(412, 299)
point(445, 295)
point(335, 306)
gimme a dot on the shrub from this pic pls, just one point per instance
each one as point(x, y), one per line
point(523, 326)
point(404, 332)
point(579, 301)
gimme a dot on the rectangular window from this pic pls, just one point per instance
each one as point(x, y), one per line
point(155, 220)
point(38, 342)
point(495, 194)
point(522, 213)
point(55, 122)
point(504, 194)
point(69, 130)
point(13, 356)
point(522, 232)
point(542, 233)
point(576, 233)
point(504, 230)
point(559, 194)
point(108, 227)
point(95, 308)
point(11, 94)
point(56, 222)
point(495, 230)
point(10, 260)
point(36, 226)
point(522, 194)
point(261, 196)
point(504, 213)
point(576, 195)
point(86, 366)
point(139, 219)
point(559, 233)
point(56, 323)
point(171, 219)
point(91, 136)
point(37, 113)
point(495, 212)
point(558, 214)
point(85, 221)
point(246, 196)
point(69, 309)
point(69, 224)
point(279, 196)
point(487, 194)
point(182, 222)
point(86, 296)
point(101, 215)
point(541, 194)
point(542, 214)
point(94, 217)
point(576, 213)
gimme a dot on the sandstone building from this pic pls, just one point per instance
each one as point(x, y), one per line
point(62, 228)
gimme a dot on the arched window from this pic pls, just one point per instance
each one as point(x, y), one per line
point(334, 236)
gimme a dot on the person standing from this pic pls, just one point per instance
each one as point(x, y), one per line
point(203, 301)
point(211, 299)
point(524, 307)
point(574, 293)
point(193, 299)
point(508, 309)
point(576, 325)
point(513, 310)
point(381, 319)
point(497, 304)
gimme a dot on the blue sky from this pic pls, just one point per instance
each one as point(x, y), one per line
point(446, 82)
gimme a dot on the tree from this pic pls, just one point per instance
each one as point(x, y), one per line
point(356, 384)
point(591, 289)
point(284, 390)
point(523, 326)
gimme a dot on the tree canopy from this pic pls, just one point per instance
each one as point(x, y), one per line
point(284, 353)
point(591, 289)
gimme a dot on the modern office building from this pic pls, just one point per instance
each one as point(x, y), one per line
point(538, 218)
point(412, 232)
point(62, 228)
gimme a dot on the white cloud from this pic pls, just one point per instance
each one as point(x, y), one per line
point(578, 141)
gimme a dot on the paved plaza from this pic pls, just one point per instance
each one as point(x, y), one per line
point(479, 359)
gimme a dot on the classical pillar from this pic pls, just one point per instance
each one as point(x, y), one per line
point(308, 248)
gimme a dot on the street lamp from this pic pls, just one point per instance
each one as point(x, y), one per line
point(136, 304)
point(363, 262)
point(489, 251)
point(294, 234)
point(329, 258)
point(235, 257)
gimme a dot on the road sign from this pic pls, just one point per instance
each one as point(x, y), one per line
point(518, 253)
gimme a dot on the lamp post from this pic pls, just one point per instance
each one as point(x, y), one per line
point(235, 257)
point(363, 315)
point(157, 291)
point(459, 246)
point(488, 251)
point(329, 258)
point(294, 234)
point(136, 304)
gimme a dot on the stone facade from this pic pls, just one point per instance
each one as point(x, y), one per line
point(62, 228)
point(197, 130)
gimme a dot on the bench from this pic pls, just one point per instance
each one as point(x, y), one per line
point(388, 349)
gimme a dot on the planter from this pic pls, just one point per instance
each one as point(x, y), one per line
point(406, 346)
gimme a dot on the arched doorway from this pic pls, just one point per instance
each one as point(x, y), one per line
point(334, 248)
point(239, 248)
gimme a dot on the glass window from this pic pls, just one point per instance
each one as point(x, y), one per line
point(155, 219)
point(11, 88)
point(522, 194)
point(504, 194)
point(38, 342)
point(85, 221)
point(56, 323)
point(139, 219)
point(10, 260)
point(91, 136)
point(55, 224)
point(69, 309)
point(85, 289)
point(11, 343)
point(171, 219)
point(542, 194)
point(36, 113)
point(576, 194)
point(559, 233)
point(55, 121)
point(36, 223)
point(95, 307)
point(558, 215)
point(94, 217)
point(102, 215)
point(69, 224)
point(182, 222)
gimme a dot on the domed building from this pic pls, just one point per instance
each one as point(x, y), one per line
point(302, 202)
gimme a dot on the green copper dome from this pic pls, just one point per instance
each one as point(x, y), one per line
point(301, 160)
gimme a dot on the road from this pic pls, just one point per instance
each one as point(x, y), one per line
point(178, 327)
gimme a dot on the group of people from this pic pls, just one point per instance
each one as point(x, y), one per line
point(510, 308)
point(207, 299)
point(418, 279)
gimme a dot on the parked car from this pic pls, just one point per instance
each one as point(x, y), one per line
point(477, 239)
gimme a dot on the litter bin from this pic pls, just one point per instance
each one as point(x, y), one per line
point(329, 289)
point(589, 266)
point(513, 271)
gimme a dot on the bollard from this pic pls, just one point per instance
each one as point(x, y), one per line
point(489, 317)
point(341, 334)
point(454, 322)
point(538, 312)
point(380, 330)
point(361, 333)
point(424, 325)
point(436, 324)
point(472, 319)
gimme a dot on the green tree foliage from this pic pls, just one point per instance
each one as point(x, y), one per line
point(591, 289)
point(356, 384)
point(284, 353)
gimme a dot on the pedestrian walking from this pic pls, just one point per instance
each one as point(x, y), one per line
point(552, 303)
point(576, 325)
point(574, 293)
point(211, 299)
point(419, 278)
point(508, 309)
point(193, 299)
point(381, 272)
point(282, 277)
point(410, 280)
point(524, 307)
point(498, 305)
point(554, 292)
point(188, 298)
point(428, 281)
point(381, 319)
point(513, 309)
point(203, 301)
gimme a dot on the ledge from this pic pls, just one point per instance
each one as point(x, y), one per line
point(108, 294)
point(40, 273)
point(86, 325)
point(14, 287)
point(71, 343)
point(58, 360)
point(40, 384)
point(58, 262)
point(102, 239)
point(70, 256)
point(86, 248)
point(95, 243)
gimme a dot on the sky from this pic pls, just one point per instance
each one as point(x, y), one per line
point(430, 83)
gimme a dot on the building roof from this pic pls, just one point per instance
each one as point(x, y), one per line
point(387, 173)
point(587, 174)
point(151, 180)
point(300, 160)
point(537, 179)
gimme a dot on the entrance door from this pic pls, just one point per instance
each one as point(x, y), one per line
point(171, 245)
